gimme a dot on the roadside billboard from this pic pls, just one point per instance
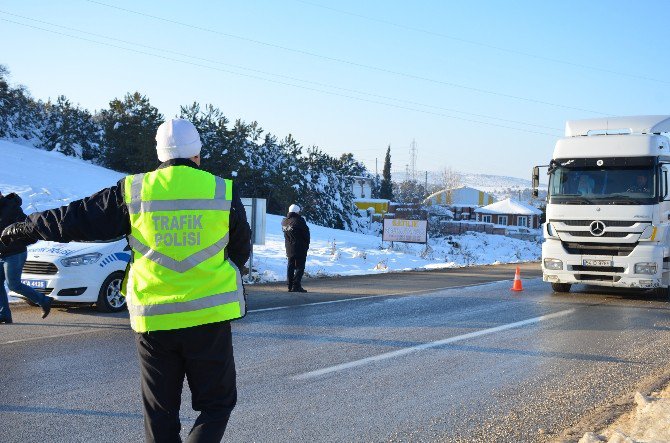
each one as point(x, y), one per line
point(408, 231)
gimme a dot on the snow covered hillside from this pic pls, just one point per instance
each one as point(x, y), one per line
point(46, 179)
point(49, 179)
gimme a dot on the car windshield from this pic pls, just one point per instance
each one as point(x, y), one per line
point(623, 185)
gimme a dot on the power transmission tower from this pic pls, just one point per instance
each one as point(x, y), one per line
point(412, 161)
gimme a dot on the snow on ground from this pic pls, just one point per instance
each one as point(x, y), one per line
point(48, 179)
point(334, 252)
point(648, 422)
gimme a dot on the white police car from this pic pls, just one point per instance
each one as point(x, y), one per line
point(79, 272)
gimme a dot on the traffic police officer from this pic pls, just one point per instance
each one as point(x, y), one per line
point(189, 236)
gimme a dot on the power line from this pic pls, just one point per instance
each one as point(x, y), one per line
point(484, 45)
point(348, 62)
point(275, 81)
point(277, 75)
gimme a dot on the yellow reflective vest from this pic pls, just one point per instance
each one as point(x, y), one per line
point(179, 275)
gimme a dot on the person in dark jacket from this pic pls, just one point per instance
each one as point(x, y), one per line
point(12, 259)
point(191, 341)
point(296, 239)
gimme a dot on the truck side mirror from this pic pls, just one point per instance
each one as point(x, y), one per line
point(536, 177)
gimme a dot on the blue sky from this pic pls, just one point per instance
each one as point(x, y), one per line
point(482, 86)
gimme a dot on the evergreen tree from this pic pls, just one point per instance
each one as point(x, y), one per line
point(386, 186)
point(20, 115)
point(129, 134)
point(327, 196)
point(69, 130)
point(409, 191)
point(212, 127)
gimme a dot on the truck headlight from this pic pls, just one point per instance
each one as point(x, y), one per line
point(80, 260)
point(553, 263)
point(649, 233)
point(645, 268)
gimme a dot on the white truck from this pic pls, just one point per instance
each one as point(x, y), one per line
point(608, 208)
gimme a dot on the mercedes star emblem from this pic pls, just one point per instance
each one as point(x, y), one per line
point(597, 228)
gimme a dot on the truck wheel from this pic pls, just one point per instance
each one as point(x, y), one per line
point(560, 287)
point(110, 298)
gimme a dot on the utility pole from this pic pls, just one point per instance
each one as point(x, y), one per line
point(425, 189)
point(376, 171)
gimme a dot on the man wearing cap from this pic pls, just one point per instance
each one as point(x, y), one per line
point(189, 237)
point(296, 239)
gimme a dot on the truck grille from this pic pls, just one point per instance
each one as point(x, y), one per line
point(606, 234)
point(40, 268)
point(621, 250)
point(613, 223)
point(596, 277)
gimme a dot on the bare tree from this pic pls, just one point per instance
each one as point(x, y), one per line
point(450, 178)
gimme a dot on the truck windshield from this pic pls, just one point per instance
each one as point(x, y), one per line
point(615, 186)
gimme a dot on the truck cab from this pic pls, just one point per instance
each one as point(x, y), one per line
point(608, 208)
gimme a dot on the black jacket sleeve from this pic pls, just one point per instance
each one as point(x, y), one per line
point(102, 216)
point(305, 233)
point(239, 243)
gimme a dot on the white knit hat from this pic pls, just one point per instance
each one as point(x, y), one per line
point(177, 138)
point(294, 208)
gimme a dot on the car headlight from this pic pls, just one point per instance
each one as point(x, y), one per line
point(645, 268)
point(80, 260)
point(553, 263)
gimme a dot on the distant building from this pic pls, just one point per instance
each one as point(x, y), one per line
point(379, 205)
point(510, 212)
point(463, 196)
point(461, 201)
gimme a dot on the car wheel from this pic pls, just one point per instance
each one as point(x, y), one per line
point(110, 298)
point(560, 287)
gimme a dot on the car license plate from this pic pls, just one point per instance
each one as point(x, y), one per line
point(599, 263)
point(40, 284)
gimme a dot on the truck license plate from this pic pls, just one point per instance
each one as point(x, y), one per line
point(599, 263)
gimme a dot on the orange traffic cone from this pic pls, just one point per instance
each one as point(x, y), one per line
point(517, 281)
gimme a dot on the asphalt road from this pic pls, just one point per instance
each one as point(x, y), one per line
point(420, 356)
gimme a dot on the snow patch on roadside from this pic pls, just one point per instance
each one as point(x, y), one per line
point(648, 423)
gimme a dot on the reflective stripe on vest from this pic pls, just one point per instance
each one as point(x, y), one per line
point(178, 265)
point(193, 305)
point(180, 275)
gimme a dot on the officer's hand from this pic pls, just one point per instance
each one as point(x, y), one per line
point(13, 233)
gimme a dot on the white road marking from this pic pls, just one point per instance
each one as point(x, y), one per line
point(46, 337)
point(395, 294)
point(434, 344)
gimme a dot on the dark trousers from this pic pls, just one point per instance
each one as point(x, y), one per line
point(295, 270)
point(202, 354)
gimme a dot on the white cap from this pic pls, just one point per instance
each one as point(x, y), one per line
point(294, 208)
point(177, 138)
